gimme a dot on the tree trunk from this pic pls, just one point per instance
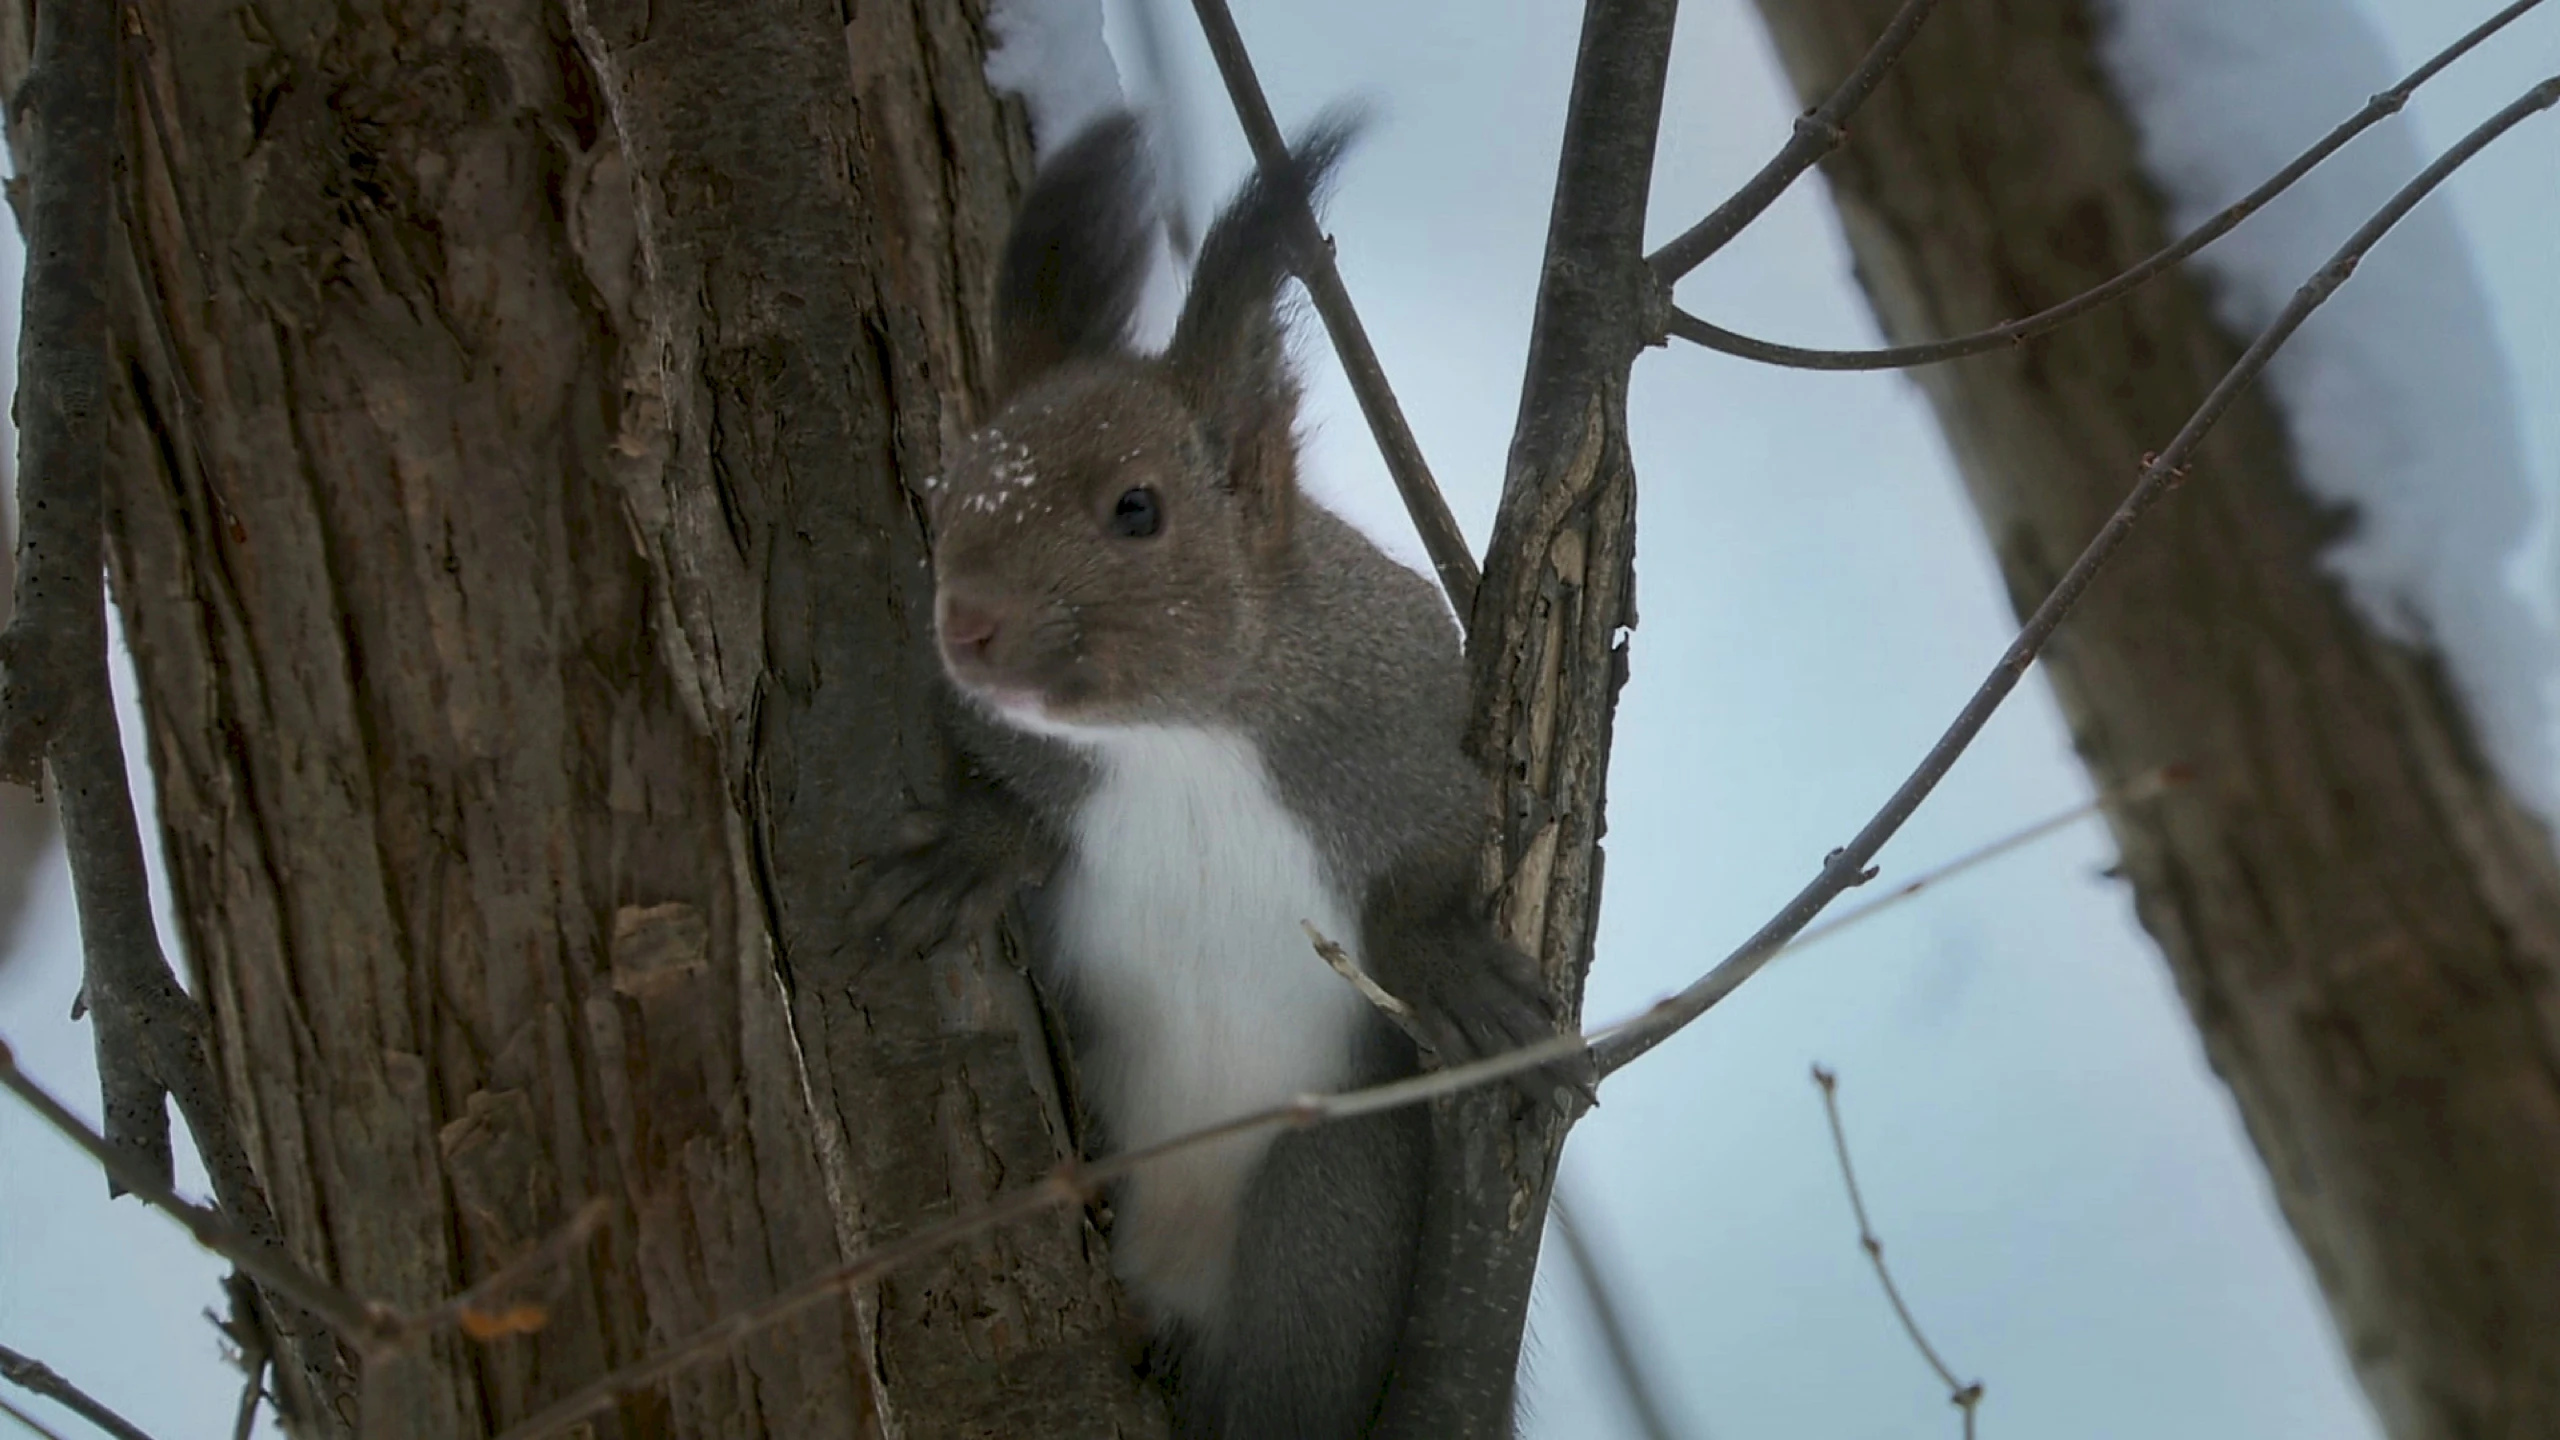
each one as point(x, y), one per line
point(507, 516)
point(2365, 925)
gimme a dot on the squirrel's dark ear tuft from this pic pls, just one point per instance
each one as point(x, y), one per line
point(1229, 354)
point(1078, 254)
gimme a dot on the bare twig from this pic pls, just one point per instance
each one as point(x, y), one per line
point(247, 1330)
point(37, 1378)
point(1397, 1012)
point(1450, 557)
point(361, 1322)
point(33, 1425)
point(1069, 1183)
point(373, 1327)
point(1848, 866)
point(2382, 106)
point(244, 1421)
point(1818, 132)
point(477, 1311)
point(1617, 1337)
point(1966, 1396)
point(2140, 788)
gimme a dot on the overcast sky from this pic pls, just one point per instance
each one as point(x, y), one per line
point(2067, 1198)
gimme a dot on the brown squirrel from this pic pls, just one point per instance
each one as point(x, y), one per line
point(1195, 710)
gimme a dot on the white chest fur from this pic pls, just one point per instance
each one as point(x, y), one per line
point(1177, 918)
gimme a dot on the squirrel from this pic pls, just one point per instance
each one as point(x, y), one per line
point(1194, 712)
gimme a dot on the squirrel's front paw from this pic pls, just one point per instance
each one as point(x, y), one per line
point(1483, 998)
point(936, 880)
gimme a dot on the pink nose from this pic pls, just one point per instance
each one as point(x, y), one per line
point(966, 626)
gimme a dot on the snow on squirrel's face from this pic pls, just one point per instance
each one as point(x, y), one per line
point(1092, 566)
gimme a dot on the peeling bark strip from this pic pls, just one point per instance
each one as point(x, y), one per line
point(526, 643)
point(2365, 925)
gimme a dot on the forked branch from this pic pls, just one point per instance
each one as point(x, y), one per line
point(1818, 132)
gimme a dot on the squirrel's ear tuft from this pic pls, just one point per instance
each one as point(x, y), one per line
point(1229, 354)
point(1077, 256)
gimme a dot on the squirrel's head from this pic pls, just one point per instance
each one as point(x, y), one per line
point(1105, 546)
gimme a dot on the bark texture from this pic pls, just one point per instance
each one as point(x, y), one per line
point(2365, 925)
point(506, 510)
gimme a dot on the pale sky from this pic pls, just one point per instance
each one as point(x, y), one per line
point(2062, 1185)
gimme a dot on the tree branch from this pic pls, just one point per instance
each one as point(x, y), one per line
point(1848, 866)
point(37, 1378)
point(365, 1323)
point(69, 101)
point(1818, 132)
point(1685, 326)
point(56, 705)
point(1450, 557)
point(2142, 787)
point(1966, 1396)
point(33, 1425)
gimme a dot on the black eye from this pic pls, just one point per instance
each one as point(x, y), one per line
point(1134, 515)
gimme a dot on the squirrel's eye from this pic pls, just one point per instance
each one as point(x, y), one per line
point(1135, 515)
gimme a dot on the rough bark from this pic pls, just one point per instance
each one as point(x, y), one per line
point(511, 408)
point(2364, 924)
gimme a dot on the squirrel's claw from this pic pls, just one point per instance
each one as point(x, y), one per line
point(933, 885)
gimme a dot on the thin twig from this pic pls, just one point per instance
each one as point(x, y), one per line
point(1848, 866)
point(363, 1323)
point(373, 1327)
point(244, 1421)
point(2140, 788)
point(1398, 1013)
point(1617, 1338)
point(476, 1310)
point(1450, 558)
point(1818, 132)
point(1683, 325)
point(247, 1330)
point(34, 1426)
point(1069, 1183)
point(37, 1378)
point(1965, 1395)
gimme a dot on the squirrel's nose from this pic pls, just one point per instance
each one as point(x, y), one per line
point(965, 624)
